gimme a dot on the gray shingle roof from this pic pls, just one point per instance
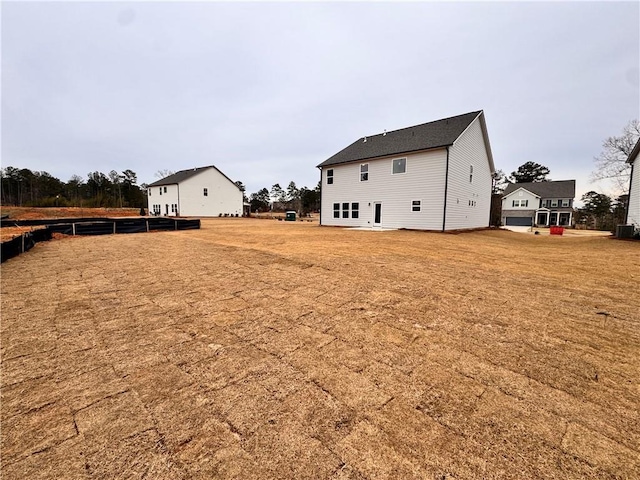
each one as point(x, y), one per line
point(182, 175)
point(440, 133)
point(552, 189)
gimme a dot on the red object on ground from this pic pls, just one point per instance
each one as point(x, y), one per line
point(557, 230)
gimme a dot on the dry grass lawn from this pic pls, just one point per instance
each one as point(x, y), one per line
point(264, 349)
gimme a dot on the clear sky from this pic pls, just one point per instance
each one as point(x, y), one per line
point(266, 91)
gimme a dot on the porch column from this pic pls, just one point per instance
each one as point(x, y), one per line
point(569, 219)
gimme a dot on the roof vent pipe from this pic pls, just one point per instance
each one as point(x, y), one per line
point(385, 132)
point(365, 140)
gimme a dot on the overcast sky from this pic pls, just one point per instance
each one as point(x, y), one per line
point(267, 91)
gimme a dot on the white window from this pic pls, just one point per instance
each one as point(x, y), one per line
point(516, 203)
point(330, 176)
point(149, 192)
point(160, 190)
point(565, 202)
point(399, 165)
point(205, 192)
point(165, 189)
point(355, 210)
point(554, 203)
point(364, 172)
point(470, 173)
point(416, 205)
point(336, 210)
point(524, 203)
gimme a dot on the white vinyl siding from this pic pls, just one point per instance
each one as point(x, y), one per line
point(162, 203)
point(469, 202)
point(223, 196)
point(424, 179)
point(532, 202)
point(633, 216)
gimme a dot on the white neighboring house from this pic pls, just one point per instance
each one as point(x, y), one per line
point(633, 210)
point(433, 176)
point(197, 192)
point(543, 204)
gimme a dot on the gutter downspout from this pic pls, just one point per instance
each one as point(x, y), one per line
point(320, 217)
point(446, 187)
point(178, 212)
point(626, 217)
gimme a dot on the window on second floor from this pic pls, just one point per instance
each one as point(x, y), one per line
point(205, 192)
point(364, 172)
point(399, 165)
point(160, 190)
point(554, 203)
point(565, 202)
point(416, 205)
point(470, 173)
point(515, 203)
point(330, 176)
point(165, 189)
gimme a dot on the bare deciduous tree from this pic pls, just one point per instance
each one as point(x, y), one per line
point(160, 174)
point(612, 164)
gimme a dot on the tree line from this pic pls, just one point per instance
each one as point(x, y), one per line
point(23, 187)
point(303, 200)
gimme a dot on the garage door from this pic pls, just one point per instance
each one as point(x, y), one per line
point(520, 221)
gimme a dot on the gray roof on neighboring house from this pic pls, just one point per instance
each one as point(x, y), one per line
point(634, 152)
point(551, 189)
point(183, 175)
point(440, 133)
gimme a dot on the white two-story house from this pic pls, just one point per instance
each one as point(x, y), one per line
point(543, 204)
point(197, 192)
point(434, 176)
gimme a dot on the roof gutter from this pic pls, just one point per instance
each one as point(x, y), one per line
point(446, 188)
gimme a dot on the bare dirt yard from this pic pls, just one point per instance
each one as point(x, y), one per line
point(35, 213)
point(265, 349)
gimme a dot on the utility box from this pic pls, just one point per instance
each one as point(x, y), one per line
point(290, 216)
point(624, 231)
